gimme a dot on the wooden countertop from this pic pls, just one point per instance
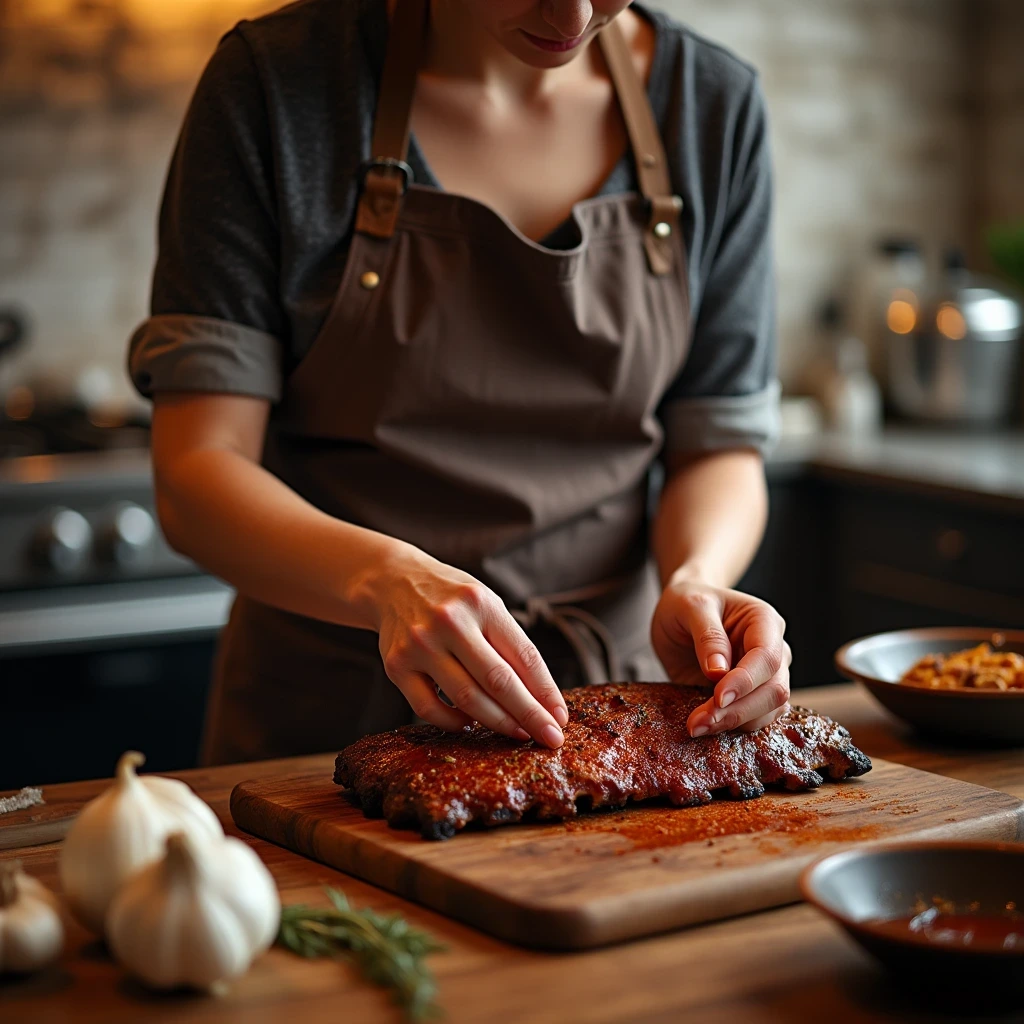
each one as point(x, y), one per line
point(789, 964)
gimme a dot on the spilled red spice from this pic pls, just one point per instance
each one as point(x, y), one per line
point(654, 828)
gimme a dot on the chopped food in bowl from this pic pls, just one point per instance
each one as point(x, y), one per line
point(964, 684)
point(977, 668)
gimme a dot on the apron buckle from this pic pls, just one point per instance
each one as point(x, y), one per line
point(386, 164)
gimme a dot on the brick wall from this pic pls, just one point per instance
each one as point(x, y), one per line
point(870, 121)
point(1000, 138)
point(871, 104)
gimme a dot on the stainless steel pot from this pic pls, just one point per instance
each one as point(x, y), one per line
point(961, 362)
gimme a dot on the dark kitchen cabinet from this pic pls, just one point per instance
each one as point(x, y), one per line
point(907, 560)
point(70, 716)
point(794, 572)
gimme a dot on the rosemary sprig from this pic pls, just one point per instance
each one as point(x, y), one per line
point(385, 948)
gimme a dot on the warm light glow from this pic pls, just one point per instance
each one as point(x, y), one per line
point(950, 322)
point(901, 316)
point(20, 403)
point(35, 468)
point(106, 418)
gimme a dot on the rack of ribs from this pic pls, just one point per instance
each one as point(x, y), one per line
point(624, 741)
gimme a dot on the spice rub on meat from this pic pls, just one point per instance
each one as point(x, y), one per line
point(624, 741)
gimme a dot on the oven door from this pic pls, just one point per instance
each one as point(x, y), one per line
point(89, 672)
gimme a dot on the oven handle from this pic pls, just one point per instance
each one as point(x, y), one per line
point(179, 614)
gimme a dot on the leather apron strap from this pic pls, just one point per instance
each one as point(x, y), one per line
point(387, 175)
point(648, 150)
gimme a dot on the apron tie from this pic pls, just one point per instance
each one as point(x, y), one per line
point(591, 641)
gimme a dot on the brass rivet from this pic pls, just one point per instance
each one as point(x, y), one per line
point(649, 160)
point(370, 279)
point(662, 230)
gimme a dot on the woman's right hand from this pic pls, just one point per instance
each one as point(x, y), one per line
point(441, 628)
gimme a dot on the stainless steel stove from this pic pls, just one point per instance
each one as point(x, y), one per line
point(106, 634)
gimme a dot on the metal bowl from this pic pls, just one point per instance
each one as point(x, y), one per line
point(861, 886)
point(879, 662)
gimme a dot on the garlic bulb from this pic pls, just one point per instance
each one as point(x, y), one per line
point(31, 931)
point(197, 917)
point(123, 830)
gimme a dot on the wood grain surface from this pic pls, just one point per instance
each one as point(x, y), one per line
point(607, 877)
point(44, 823)
point(789, 964)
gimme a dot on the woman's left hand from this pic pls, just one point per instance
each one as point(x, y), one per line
point(703, 633)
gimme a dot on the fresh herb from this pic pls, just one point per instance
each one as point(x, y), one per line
point(385, 948)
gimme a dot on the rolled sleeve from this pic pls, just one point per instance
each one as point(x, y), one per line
point(726, 394)
point(723, 422)
point(178, 352)
point(217, 319)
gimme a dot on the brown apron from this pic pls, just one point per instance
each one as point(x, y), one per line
point(486, 398)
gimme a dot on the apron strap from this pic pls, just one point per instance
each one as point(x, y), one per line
point(386, 176)
point(648, 150)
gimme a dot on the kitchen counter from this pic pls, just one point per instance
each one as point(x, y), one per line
point(980, 467)
point(971, 464)
point(789, 964)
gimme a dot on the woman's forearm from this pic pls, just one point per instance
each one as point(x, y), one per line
point(243, 524)
point(218, 506)
point(438, 626)
point(711, 518)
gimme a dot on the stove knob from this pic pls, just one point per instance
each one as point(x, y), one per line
point(129, 535)
point(62, 542)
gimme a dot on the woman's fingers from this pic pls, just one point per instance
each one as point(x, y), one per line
point(701, 718)
point(421, 693)
point(506, 636)
point(767, 653)
point(760, 703)
point(759, 708)
point(467, 695)
point(700, 614)
point(495, 678)
point(761, 723)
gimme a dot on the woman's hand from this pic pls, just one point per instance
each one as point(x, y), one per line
point(440, 627)
point(702, 633)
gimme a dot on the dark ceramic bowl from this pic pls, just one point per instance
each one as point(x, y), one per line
point(879, 661)
point(857, 887)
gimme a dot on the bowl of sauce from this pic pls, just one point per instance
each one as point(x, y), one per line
point(945, 915)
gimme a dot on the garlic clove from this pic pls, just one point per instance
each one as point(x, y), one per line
point(197, 917)
point(33, 938)
point(253, 896)
point(214, 943)
point(31, 929)
point(122, 830)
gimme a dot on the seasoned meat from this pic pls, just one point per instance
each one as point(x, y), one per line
point(624, 741)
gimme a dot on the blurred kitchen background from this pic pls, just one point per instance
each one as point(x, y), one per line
point(899, 145)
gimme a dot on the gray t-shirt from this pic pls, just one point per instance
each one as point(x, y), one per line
point(260, 202)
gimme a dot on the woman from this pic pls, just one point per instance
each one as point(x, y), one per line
point(409, 392)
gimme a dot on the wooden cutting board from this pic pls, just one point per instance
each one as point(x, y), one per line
point(607, 877)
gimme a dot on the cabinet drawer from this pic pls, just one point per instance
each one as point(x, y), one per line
point(939, 540)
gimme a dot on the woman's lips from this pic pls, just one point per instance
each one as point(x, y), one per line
point(552, 45)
